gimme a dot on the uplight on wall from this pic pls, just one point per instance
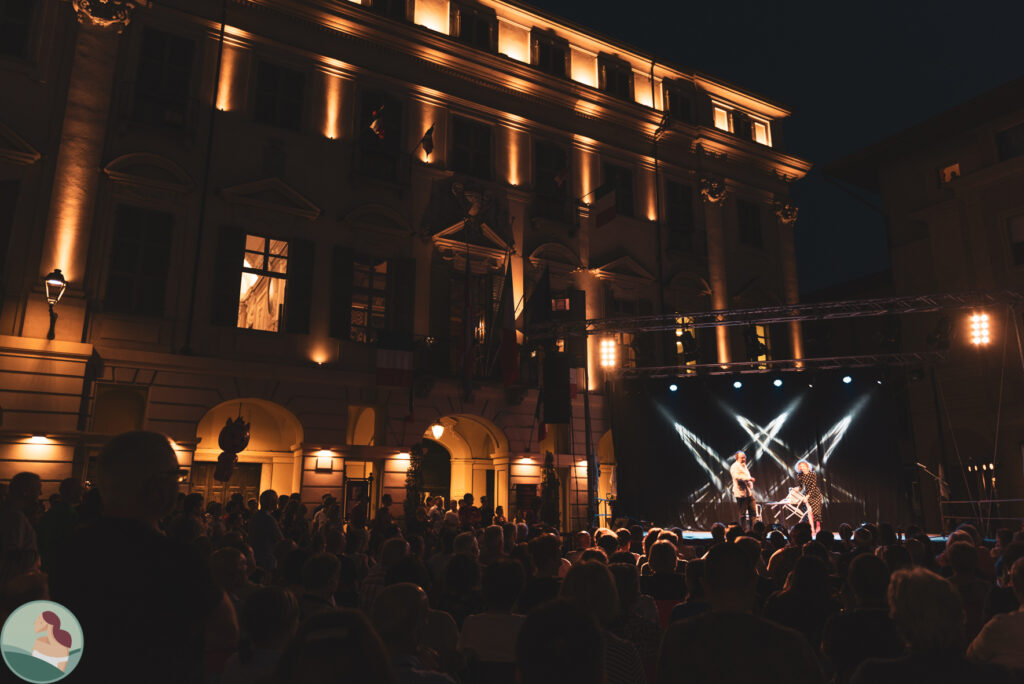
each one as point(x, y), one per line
point(609, 353)
point(980, 332)
point(38, 439)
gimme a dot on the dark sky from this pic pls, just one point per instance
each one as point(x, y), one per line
point(852, 73)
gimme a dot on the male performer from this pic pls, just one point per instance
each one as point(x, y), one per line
point(743, 489)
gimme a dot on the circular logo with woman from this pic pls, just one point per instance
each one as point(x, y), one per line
point(41, 642)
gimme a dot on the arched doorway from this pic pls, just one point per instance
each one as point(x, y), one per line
point(436, 467)
point(607, 483)
point(273, 459)
point(479, 457)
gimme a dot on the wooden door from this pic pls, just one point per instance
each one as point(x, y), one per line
point(245, 481)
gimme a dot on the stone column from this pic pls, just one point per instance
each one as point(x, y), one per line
point(712, 192)
point(77, 168)
point(787, 214)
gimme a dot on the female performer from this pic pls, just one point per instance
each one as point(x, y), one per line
point(809, 481)
point(55, 645)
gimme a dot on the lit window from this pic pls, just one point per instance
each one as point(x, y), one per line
point(950, 172)
point(760, 130)
point(609, 353)
point(722, 119)
point(764, 348)
point(264, 277)
point(560, 304)
point(369, 300)
point(560, 344)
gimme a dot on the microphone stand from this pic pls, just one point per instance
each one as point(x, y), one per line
point(942, 486)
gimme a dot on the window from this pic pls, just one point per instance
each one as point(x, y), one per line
point(264, 276)
point(380, 135)
point(761, 131)
point(741, 125)
point(369, 299)
point(140, 256)
point(560, 304)
point(162, 79)
point(15, 27)
point(948, 173)
point(621, 179)
point(278, 99)
point(395, 9)
point(551, 180)
point(722, 119)
point(748, 220)
point(679, 215)
point(471, 148)
point(1010, 142)
point(476, 27)
point(550, 53)
point(687, 350)
point(677, 104)
point(616, 77)
point(1015, 226)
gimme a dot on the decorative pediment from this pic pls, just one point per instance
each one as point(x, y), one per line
point(15, 149)
point(486, 249)
point(272, 194)
point(143, 169)
point(556, 257)
point(624, 269)
point(377, 218)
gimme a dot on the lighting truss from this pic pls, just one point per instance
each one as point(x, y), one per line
point(788, 365)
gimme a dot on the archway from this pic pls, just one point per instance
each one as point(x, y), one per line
point(273, 459)
point(436, 467)
point(479, 452)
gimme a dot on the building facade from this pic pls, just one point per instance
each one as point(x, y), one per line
point(952, 189)
point(261, 207)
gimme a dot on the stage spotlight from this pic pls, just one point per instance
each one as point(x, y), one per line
point(673, 387)
point(979, 329)
point(847, 379)
point(878, 381)
point(777, 382)
point(737, 384)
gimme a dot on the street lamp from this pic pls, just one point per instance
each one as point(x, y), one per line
point(55, 285)
point(437, 430)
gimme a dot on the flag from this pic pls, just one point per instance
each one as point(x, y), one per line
point(377, 122)
point(394, 361)
point(427, 141)
point(603, 205)
point(509, 350)
point(538, 307)
point(467, 342)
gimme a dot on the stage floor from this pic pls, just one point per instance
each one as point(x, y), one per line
point(704, 535)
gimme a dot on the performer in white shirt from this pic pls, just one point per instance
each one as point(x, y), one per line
point(743, 489)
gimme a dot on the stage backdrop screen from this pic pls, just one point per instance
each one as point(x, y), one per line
point(673, 449)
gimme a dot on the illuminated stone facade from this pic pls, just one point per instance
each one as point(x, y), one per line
point(353, 141)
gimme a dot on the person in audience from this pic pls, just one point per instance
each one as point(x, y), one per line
point(696, 599)
point(929, 615)
point(393, 551)
point(590, 587)
point(545, 582)
point(320, 579)
point(560, 643)
point(19, 512)
point(461, 597)
point(594, 554)
point(704, 648)
point(494, 545)
point(784, 560)
point(230, 572)
point(146, 603)
point(268, 620)
point(665, 584)
point(865, 629)
point(1001, 640)
point(491, 635)
point(265, 532)
point(636, 620)
point(962, 561)
point(56, 525)
point(806, 602)
point(399, 617)
point(335, 644)
point(1001, 598)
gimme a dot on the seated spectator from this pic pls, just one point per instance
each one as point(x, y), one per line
point(399, 617)
point(559, 643)
point(461, 597)
point(331, 643)
point(319, 582)
point(491, 635)
point(782, 561)
point(230, 572)
point(895, 557)
point(696, 598)
point(706, 648)
point(608, 542)
point(590, 587)
point(581, 542)
point(1001, 598)
point(494, 545)
point(594, 554)
point(393, 551)
point(962, 561)
point(1001, 640)
point(269, 619)
point(717, 534)
point(636, 620)
point(665, 584)
point(865, 629)
point(928, 613)
point(636, 540)
point(545, 582)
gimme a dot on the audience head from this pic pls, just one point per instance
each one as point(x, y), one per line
point(270, 616)
point(332, 642)
point(695, 580)
point(608, 542)
point(71, 490)
point(398, 615)
point(809, 577)
point(545, 550)
point(800, 534)
point(392, 551)
point(1010, 556)
point(962, 558)
point(729, 578)
point(410, 570)
point(845, 532)
point(927, 611)
point(717, 533)
point(868, 579)
point(590, 586)
point(624, 537)
point(268, 500)
point(503, 582)
point(627, 583)
point(138, 475)
point(466, 544)
point(494, 539)
point(320, 574)
point(732, 532)
point(595, 554)
point(229, 568)
point(662, 558)
point(560, 643)
point(462, 574)
point(1017, 580)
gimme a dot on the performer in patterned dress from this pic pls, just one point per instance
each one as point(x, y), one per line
point(809, 481)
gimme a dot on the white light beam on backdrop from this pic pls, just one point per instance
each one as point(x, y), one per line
point(696, 447)
point(836, 432)
point(765, 436)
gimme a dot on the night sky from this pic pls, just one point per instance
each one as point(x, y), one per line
point(851, 73)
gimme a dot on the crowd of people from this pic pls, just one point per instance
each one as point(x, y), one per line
point(169, 588)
